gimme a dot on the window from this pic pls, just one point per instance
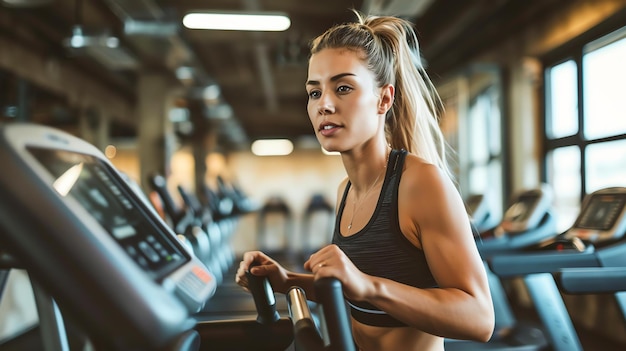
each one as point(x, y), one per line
point(585, 124)
point(563, 112)
point(564, 175)
point(473, 126)
point(485, 167)
point(604, 77)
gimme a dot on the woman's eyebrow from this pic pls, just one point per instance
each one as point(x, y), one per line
point(332, 79)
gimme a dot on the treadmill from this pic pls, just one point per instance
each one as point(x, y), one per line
point(109, 274)
point(595, 240)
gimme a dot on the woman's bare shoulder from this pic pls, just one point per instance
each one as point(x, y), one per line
point(418, 174)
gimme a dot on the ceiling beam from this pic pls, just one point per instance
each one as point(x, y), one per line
point(63, 79)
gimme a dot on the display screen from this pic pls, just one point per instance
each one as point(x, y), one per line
point(93, 185)
point(601, 212)
point(522, 208)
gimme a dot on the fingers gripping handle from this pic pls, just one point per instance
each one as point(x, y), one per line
point(264, 299)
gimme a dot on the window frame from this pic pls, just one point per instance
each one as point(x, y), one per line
point(575, 50)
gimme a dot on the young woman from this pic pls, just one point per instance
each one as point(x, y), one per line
point(402, 245)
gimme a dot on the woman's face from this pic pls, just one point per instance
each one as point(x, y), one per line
point(344, 103)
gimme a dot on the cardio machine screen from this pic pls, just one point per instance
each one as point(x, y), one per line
point(602, 212)
point(91, 183)
point(522, 209)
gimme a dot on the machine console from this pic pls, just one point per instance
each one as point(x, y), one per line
point(94, 185)
point(602, 218)
point(526, 210)
point(95, 234)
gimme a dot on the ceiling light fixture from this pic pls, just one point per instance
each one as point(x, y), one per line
point(249, 21)
point(272, 147)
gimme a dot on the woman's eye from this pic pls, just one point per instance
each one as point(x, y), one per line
point(344, 89)
point(314, 94)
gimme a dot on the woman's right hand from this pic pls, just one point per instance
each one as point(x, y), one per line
point(263, 266)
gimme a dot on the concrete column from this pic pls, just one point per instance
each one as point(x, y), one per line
point(524, 125)
point(155, 132)
point(204, 140)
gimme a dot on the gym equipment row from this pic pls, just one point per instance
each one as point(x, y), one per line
point(525, 244)
point(109, 273)
point(209, 238)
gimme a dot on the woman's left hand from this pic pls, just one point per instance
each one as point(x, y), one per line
point(330, 261)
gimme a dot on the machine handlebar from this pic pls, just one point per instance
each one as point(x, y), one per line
point(329, 293)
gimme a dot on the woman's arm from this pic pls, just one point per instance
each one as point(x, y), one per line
point(433, 216)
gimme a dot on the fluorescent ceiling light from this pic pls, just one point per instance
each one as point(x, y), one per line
point(274, 22)
point(272, 147)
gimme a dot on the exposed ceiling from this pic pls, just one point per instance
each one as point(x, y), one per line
point(260, 75)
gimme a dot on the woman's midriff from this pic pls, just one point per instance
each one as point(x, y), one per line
point(372, 338)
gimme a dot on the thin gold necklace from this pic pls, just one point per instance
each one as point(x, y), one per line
point(355, 209)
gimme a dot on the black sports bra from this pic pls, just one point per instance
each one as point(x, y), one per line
point(380, 248)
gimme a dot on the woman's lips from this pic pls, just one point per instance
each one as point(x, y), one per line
point(328, 129)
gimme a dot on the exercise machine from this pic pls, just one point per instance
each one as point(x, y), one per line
point(595, 240)
point(527, 221)
point(325, 327)
point(98, 257)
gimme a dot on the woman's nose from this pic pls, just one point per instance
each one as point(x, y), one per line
point(325, 105)
point(325, 110)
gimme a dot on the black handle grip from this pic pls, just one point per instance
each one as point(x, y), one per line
point(264, 299)
point(329, 293)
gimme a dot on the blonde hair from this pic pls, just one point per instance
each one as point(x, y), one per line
point(390, 49)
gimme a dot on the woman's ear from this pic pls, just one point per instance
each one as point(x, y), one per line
point(385, 102)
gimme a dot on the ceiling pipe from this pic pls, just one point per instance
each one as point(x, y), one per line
point(136, 8)
point(147, 20)
point(263, 64)
point(402, 8)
